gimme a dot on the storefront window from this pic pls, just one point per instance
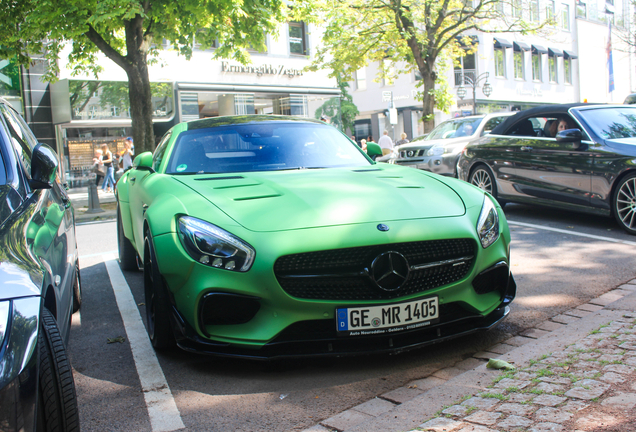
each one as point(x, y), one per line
point(108, 100)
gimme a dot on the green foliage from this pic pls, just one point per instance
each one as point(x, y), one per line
point(402, 36)
point(130, 32)
point(342, 111)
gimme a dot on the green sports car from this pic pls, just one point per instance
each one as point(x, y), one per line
point(271, 236)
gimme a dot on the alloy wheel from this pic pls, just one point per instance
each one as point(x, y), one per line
point(626, 203)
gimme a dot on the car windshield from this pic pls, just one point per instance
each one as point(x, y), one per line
point(263, 146)
point(455, 128)
point(612, 123)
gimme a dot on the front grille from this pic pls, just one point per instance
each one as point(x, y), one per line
point(344, 274)
point(414, 153)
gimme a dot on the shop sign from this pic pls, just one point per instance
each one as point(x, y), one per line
point(535, 92)
point(260, 70)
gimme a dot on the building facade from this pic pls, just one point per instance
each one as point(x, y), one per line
point(87, 113)
point(566, 62)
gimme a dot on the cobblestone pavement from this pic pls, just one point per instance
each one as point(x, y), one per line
point(575, 372)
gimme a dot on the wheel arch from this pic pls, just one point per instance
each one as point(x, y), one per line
point(50, 301)
point(617, 180)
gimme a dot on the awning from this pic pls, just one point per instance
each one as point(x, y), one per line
point(555, 52)
point(520, 46)
point(502, 43)
point(538, 49)
point(569, 54)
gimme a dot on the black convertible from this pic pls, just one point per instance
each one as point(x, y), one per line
point(39, 284)
point(575, 156)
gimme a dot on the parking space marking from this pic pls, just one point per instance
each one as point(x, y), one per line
point(574, 233)
point(99, 254)
point(162, 409)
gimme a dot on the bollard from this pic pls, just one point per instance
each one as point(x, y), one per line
point(93, 200)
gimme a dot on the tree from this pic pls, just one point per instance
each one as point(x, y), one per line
point(342, 110)
point(130, 33)
point(422, 35)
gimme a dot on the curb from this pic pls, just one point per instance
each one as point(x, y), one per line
point(408, 407)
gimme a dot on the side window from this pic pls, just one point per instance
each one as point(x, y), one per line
point(22, 139)
point(157, 157)
point(491, 124)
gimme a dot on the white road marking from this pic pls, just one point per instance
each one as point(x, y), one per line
point(162, 409)
point(114, 252)
point(574, 233)
point(96, 222)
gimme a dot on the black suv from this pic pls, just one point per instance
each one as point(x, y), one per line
point(39, 284)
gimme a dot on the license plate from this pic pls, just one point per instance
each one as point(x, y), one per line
point(374, 320)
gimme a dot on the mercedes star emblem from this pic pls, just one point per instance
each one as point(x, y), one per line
point(390, 270)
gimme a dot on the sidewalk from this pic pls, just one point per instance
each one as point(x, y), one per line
point(79, 198)
point(575, 372)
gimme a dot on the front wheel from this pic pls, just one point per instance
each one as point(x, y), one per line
point(624, 203)
point(57, 400)
point(482, 177)
point(127, 253)
point(157, 303)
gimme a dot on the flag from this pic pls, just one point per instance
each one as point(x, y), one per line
point(610, 64)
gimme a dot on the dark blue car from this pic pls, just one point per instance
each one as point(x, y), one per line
point(39, 284)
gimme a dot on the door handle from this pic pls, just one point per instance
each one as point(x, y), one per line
point(132, 179)
point(526, 148)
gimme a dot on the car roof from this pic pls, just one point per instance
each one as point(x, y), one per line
point(537, 112)
point(244, 119)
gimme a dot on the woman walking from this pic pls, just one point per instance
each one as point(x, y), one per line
point(107, 160)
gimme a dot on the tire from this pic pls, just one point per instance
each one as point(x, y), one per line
point(77, 289)
point(127, 253)
point(157, 304)
point(624, 203)
point(482, 177)
point(57, 401)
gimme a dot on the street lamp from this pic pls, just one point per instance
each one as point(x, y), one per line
point(472, 81)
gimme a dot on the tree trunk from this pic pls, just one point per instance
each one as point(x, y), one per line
point(140, 97)
point(428, 99)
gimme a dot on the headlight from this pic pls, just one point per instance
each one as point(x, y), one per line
point(488, 223)
point(435, 151)
point(213, 246)
point(4, 320)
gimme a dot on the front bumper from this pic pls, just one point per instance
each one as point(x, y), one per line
point(443, 164)
point(318, 338)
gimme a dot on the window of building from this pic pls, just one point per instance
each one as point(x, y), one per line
point(552, 67)
point(567, 70)
point(466, 67)
point(565, 16)
point(534, 10)
point(536, 67)
point(500, 62)
point(361, 78)
point(297, 38)
point(517, 8)
point(550, 12)
point(518, 60)
point(499, 6)
point(389, 71)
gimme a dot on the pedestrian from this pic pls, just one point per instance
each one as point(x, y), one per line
point(386, 143)
point(402, 139)
point(98, 167)
point(363, 144)
point(370, 140)
point(107, 160)
point(126, 155)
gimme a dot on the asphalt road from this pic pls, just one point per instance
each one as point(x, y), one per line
point(559, 259)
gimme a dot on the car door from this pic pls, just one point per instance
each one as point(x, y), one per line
point(51, 230)
point(553, 172)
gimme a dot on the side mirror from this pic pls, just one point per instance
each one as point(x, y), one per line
point(574, 136)
point(44, 165)
point(143, 162)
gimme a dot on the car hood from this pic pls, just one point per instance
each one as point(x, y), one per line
point(284, 200)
